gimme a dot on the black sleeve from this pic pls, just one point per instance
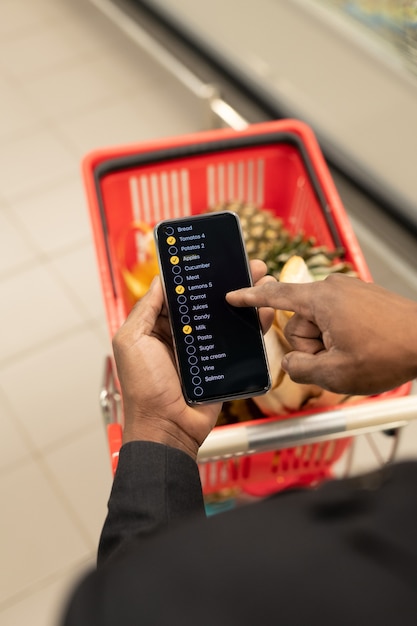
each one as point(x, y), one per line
point(154, 485)
point(344, 553)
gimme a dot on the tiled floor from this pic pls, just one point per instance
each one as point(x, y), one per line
point(69, 83)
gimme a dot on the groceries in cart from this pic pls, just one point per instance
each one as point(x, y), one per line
point(138, 278)
point(289, 258)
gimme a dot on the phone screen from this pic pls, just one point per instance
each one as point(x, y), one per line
point(219, 348)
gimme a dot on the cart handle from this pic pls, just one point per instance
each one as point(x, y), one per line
point(350, 421)
point(236, 440)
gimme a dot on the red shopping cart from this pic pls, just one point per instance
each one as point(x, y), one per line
point(277, 165)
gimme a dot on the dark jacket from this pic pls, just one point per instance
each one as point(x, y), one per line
point(342, 554)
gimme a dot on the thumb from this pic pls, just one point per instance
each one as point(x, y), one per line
point(323, 369)
point(142, 318)
point(300, 366)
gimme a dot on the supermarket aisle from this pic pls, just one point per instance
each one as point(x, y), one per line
point(69, 83)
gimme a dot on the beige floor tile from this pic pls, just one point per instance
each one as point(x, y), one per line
point(84, 85)
point(82, 471)
point(370, 452)
point(376, 449)
point(54, 392)
point(31, 162)
point(14, 447)
point(20, 17)
point(16, 113)
point(37, 538)
point(142, 117)
point(77, 270)
point(15, 250)
point(45, 604)
point(56, 218)
point(102, 331)
point(35, 309)
point(44, 48)
point(407, 448)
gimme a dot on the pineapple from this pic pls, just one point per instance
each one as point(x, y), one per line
point(260, 227)
point(267, 239)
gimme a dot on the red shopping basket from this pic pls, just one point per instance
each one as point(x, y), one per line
point(277, 165)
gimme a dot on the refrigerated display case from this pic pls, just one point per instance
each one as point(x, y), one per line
point(310, 60)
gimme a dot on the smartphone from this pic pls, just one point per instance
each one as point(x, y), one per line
point(219, 348)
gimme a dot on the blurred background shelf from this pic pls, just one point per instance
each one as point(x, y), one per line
point(308, 60)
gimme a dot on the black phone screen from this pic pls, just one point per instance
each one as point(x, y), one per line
point(220, 349)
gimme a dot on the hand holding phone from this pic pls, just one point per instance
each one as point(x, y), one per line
point(219, 348)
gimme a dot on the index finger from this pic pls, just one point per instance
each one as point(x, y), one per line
point(287, 296)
